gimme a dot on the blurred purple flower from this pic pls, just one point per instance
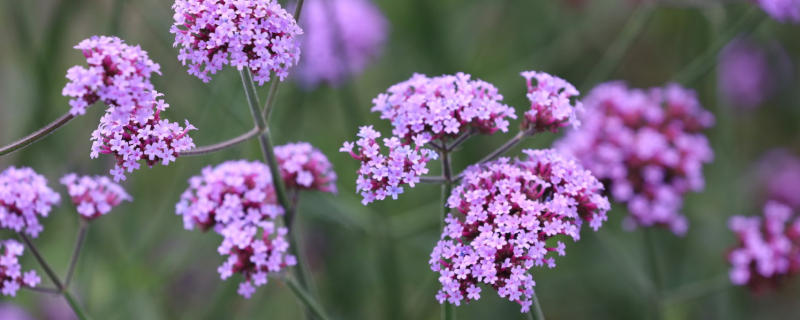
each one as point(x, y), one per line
point(551, 108)
point(11, 276)
point(341, 38)
point(94, 196)
point(304, 167)
point(779, 173)
point(646, 146)
point(10, 311)
point(511, 208)
point(744, 73)
point(24, 197)
point(258, 34)
point(781, 10)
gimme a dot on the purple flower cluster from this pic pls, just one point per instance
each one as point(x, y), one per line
point(11, 276)
point(304, 167)
point(130, 140)
point(744, 74)
point(647, 146)
point(511, 208)
point(779, 172)
point(443, 107)
point(781, 10)
point(118, 75)
point(768, 250)
point(94, 196)
point(258, 34)
point(24, 196)
point(551, 108)
point(381, 176)
point(341, 38)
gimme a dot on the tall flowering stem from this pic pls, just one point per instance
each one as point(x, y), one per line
point(77, 251)
point(33, 137)
point(303, 295)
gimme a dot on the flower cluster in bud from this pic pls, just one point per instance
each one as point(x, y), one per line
point(511, 209)
point(304, 167)
point(153, 139)
point(647, 146)
point(744, 74)
point(11, 276)
point(779, 172)
point(24, 197)
point(443, 107)
point(768, 250)
point(384, 175)
point(255, 34)
point(94, 196)
point(118, 74)
point(551, 107)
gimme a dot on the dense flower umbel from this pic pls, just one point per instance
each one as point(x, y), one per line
point(744, 74)
point(153, 139)
point(304, 167)
point(381, 176)
point(94, 196)
point(252, 255)
point(231, 192)
point(551, 108)
point(11, 276)
point(647, 147)
point(258, 34)
point(768, 250)
point(781, 10)
point(118, 75)
point(341, 38)
point(24, 196)
point(779, 173)
point(512, 207)
point(443, 107)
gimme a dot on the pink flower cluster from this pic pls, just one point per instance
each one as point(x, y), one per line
point(258, 34)
point(94, 196)
point(781, 10)
point(745, 76)
point(304, 167)
point(130, 140)
point(341, 38)
point(381, 176)
point(11, 276)
point(118, 75)
point(779, 172)
point(443, 107)
point(24, 197)
point(511, 208)
point(768, 250)
point(551, 108)
point(647, 146)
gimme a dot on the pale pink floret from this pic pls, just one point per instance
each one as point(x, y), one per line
point(304, 167)
point(24, 198)
point(552, 105)
point(11, 276)
point(94, 196)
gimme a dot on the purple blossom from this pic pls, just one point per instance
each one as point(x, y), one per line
point(443, 107)
point(304, 167)
point(118, 74)
point(551, 107)
point(24, 197)
point(381, 176)
point(511, 208)
point(768, 250)
point(646, 146)
point(94, 196)
point(781, 10)
point(779, 173)
point(341, 38)
point(258, 34)
point(11, 276)
point(152, 139)
point(744, 73)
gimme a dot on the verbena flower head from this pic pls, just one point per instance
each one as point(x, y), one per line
point(382, 176)
point(230, 192)
point(511, 209)
point(551, 105)
point(768, 250)
point(647, 146)
point(24, 197)
point(118, 74)
point(254, 250)
point(781, 10)
point(258, 34)
point(11, 276)
point(744, 73)
point(153, 139)
point(443, 107)
point(779, 173)
point(94, 196)
point(304, 167)
point(341, 38)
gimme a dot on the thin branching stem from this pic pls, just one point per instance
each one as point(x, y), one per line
point(77, 251)
point(222, 145)
point(500, 151)
point(448, 310)
point(536, 308)
point(33, 137)
point(303, 296)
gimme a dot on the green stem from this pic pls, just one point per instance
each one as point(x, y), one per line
point(75, 305)
point(536, 309)
point(305, 298)
point(77, 251)
point(448, 309)
point(38, 134)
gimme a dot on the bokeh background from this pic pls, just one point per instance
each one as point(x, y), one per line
point(371, 262)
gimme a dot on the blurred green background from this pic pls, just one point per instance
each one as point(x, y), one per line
point(371, 262)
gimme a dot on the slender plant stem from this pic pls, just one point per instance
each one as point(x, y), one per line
point(222, 145)
point(307, 300)
point(43, 290)
point(650, 247)
point(75, 305)
point(458, 141)
point(500, 151)
point(77, 251)
point(38, 134)
point(697, 289)
point(536, 309)
point(448, 310)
